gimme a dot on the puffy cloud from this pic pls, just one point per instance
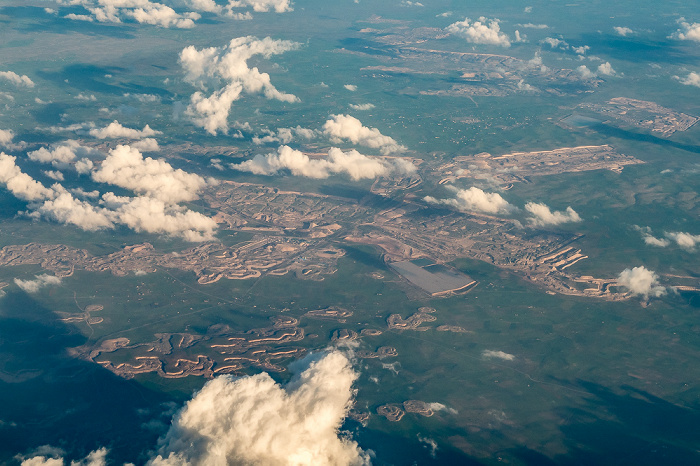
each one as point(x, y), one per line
point(155, 216)
point(623, 31)
point(6, 136)
point(479, 32)
point(141, 11)
point(213, 67)
point(476, 200)
point(116, 130)
point(285, 135)
point(350, 87)
point(146, 145)
point(490, 354)
point(606, 69)
point(63, 153)
point(693, 79)
point(95, 458)
point(279, 6)
point(127, 168)
point(687, 31)
point(685, 240)
point(83, 166)
point(362, 106)
point(64, 208)
point(16, 79)
point(74, 127)
point(544, 216)
point(143, 213)
point(346, 127)
point(89, 98)
point(253, 420)
point(585, 72)
point(555, 43)
point(53, 174)
point(650, 239)
point(640, 281)
point(39, 282)
point(75, 17)
point(352, 163)
point(18, 183)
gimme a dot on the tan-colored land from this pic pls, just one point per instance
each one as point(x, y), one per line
point(392, 412)
point(644, 114)
point(382, 352)
point(304, 233)
point(413, 322)
point(519, 166)
point(220, 350)
point(418, 407)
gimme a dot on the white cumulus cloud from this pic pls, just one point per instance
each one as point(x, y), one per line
point(155, 216)
point(226, 70)
point(685, 240)
point(349, 128)
point(623, 30)
point(115, 130)
point(641, 281)
point(253, 420)
point(606, 69)
point(126, 167)
point(693, 79)
point(141, 11)
point(357, 166)
point(482, 31)
point(474, 200)
point(143, 213)
point(585, 72)
point(48, 456)
point(543, 215)
point(63, 153)
point(362, 107)
point(491, 354)
point(39, 282)
point(687, 31)
point(19, 183)
point(16, 79)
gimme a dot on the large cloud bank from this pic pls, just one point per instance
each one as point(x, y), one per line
point(253, 420)
point(482, 31)
point(475, 200)
point(125, 167)
point(226, 70)
point(357, 166)
point(543, 215)
point(349, 128)
point(641, 281)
